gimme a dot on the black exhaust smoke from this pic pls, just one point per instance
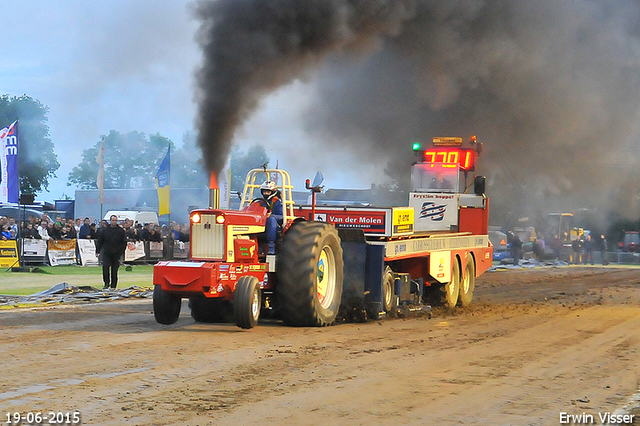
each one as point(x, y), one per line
point(552, 88)
point(252, 47)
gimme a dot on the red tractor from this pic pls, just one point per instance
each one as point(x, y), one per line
point(230, 272)
point(332, 261)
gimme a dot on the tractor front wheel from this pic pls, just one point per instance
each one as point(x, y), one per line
point(247, 302)
point(166, 306)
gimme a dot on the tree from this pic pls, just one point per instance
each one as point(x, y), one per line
point(130, 161)
point(241, 163)
point(187, 169)
point(37, 161)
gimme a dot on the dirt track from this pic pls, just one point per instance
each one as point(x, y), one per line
point(535, 343)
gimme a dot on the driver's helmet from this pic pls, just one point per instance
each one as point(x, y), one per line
point(268, 190)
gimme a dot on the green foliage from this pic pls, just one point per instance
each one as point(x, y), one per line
point(37, 161)
point(130, 161)
point(187, 169)
point(241, 163)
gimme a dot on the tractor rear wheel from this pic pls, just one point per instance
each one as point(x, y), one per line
point(166, 306)
point(310, 274)
point(247, 302)
point(207, 310)
point(468, 283)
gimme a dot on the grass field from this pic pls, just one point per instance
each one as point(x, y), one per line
point(45, 277)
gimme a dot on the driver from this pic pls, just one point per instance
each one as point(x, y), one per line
point(271, 196)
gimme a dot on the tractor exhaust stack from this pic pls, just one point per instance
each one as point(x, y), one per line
point(214, 192)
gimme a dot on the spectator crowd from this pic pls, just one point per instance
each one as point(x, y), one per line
point(68, 229)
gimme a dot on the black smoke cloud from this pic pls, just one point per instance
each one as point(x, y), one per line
point(551, 88)
point(252, 47)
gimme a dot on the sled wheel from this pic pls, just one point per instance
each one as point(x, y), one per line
point(452, 289)
point(166, 306)
point(247, 302)
point(468, 283)
point(310, 274)
point(389, 297)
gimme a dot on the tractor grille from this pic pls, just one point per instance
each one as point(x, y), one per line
point(207, 239)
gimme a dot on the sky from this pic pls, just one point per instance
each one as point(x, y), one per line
point(129, 66)
point(346, 86)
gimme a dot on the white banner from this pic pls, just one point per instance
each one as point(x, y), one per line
point(134, 251)
point(33, 247)
point(434, 211)
point(87, 252)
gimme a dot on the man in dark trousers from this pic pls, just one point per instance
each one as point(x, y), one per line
point(111, 244)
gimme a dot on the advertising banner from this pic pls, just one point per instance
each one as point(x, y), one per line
point(62, 252)
point(33, 251)
point(155, 249)
point(87, 252)
point(371, 221)
point(134, 251)
point(8, 254)
point(434, 211)
point(9, 179)
point(180, 250)
point(33, 247)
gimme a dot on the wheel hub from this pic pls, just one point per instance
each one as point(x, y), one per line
point(326, 277)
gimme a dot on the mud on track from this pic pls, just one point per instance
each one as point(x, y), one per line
point(534, 344)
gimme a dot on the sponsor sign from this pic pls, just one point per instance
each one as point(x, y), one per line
point(87, 252)
point(62, 252)
point(371, 221)
point(8, 253)
point(425, 246)
point(402, 220)
point(155, 249)
point(34, 248)
point(440, 266)
point(434, 211)
point(134, 251)
point(180, 250)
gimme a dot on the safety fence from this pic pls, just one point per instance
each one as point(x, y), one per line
point(83, 252)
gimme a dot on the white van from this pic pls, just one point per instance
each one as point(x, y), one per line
point(135, 216)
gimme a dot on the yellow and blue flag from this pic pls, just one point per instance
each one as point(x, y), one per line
point(163, 185)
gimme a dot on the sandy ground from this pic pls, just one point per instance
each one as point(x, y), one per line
point(535, 344)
